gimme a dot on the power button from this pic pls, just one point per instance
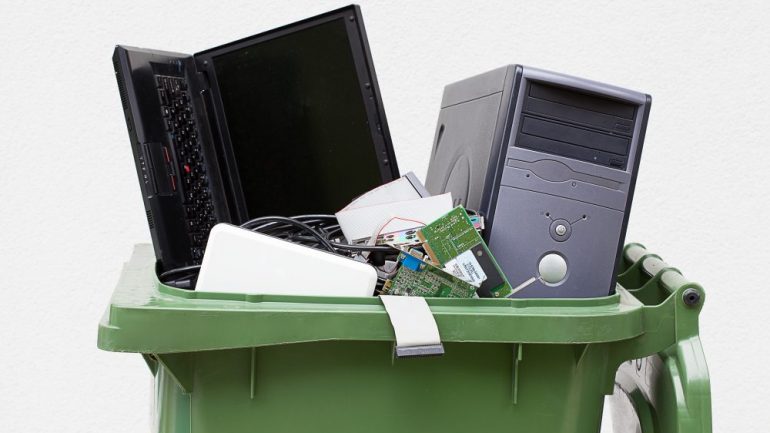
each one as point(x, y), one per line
point(552, 268)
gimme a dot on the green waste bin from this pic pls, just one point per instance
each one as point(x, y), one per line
point(226, 363)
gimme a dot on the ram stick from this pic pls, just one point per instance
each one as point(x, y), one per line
point(454, 244)
point(418, 278)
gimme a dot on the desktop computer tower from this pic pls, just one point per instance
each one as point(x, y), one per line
point(550, 161)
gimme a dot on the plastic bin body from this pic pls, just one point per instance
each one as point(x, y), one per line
point(243, 363)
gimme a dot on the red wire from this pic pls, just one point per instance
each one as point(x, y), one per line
point(395, 218)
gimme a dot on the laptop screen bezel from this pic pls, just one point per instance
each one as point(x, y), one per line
point(367, 80)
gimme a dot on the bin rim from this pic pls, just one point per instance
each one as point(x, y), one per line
point(146, 316)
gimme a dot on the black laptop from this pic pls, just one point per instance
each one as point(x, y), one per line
point(286, 122)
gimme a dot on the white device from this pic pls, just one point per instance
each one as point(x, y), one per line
point(242, 261)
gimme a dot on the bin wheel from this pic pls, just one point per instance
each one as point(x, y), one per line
point(630, 412)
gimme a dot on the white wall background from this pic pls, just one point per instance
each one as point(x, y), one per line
point(70, 200)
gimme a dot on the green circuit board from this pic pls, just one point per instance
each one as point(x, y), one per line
point(454, 244)
point(417, 278)
point(449, 236)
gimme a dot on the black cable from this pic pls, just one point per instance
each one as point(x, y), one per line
point(352, 247)
point(315, 216)
point(372, 248)
point(320, 221)
point(324, 223)
point(184, 270)
point(331, 230)
point(256, 224)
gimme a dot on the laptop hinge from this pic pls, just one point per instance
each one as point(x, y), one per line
point(203, 79)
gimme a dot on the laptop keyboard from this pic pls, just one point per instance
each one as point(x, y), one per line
point(193, 182)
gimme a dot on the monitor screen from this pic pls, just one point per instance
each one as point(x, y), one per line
point(297, 122)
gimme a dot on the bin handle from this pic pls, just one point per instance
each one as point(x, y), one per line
point(652, 265)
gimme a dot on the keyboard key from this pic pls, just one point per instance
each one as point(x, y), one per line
point(190, 173)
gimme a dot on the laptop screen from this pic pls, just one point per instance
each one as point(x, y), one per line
point(297, 122)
